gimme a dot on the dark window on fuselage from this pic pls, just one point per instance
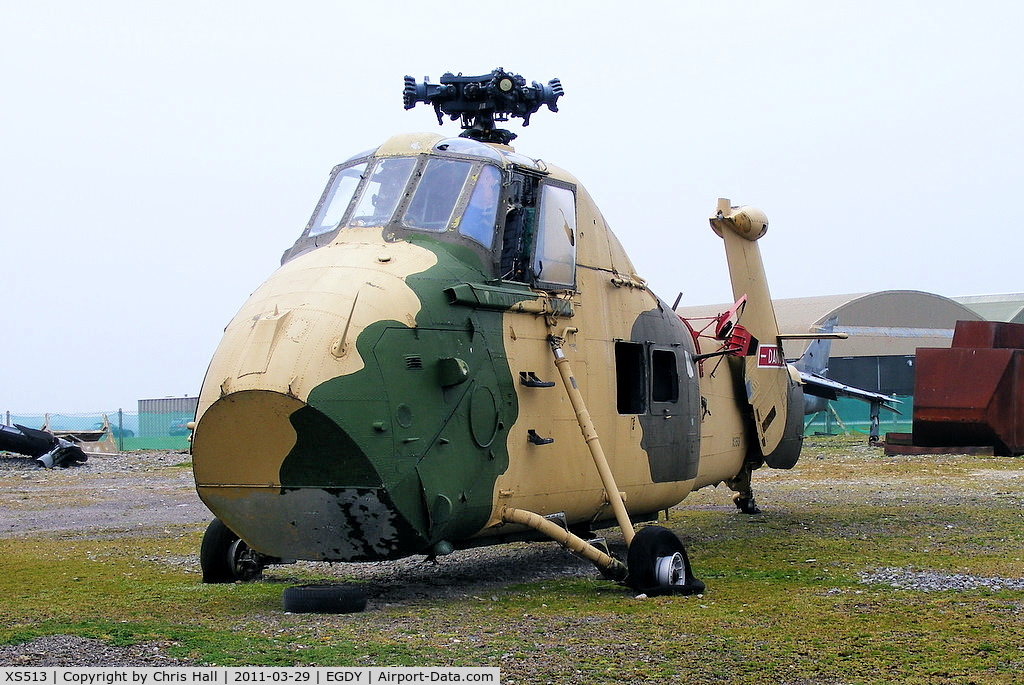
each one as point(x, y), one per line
point(539, 240)
point(517, 238)
point(630, 378)
point(664, 376)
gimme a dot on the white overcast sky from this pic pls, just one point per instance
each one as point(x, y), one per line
point(157, 158)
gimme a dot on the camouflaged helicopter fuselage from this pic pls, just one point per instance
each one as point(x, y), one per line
point(366, 402)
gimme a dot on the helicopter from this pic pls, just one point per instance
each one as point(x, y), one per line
point(457, 351)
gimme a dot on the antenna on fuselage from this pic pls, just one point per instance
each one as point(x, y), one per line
point(482, 100)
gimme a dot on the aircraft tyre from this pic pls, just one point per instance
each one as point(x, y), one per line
point(746, 504)
point(324, 599)
point(658, 564)
point(225, 558)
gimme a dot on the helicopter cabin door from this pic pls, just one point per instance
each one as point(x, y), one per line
point(657, 382)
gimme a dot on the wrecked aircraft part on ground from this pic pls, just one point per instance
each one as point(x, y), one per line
point(49, 450)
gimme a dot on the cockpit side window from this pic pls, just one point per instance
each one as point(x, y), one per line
point(382, 191)
point(336, 200)
point(478, 220)
point(437, 194)
point(539, 240)
point(554, 260)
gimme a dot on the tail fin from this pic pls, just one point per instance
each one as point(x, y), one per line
point(813, 364)
point(773, 391)
point(815, 357)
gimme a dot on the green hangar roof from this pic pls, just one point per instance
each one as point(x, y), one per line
point(1007, 308)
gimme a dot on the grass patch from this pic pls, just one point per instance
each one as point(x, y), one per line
point(785, 600)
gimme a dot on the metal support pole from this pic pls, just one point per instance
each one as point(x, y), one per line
point(590, 435)
point(574, 543)
point(874, 430)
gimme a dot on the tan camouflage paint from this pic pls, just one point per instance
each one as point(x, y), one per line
point(276, 343)
point(561, 477)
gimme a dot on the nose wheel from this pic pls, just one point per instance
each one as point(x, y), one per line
point(246, 563)
point(658, 564)
point(225, 558)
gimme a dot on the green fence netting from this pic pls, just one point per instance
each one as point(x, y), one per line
point(848, 416)
point(130, 430)
point(168, 431)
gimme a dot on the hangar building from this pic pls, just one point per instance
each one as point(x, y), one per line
point(885, 329)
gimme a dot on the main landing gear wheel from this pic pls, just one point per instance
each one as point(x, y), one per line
point(225, 558)
point(658, 564)
point(746, 504)
point(324, 599)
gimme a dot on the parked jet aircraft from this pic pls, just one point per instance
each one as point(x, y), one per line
point(457, 351)
point(814, 363)
point(819, 389)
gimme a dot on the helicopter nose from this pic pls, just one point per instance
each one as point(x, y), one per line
point(230, 447)
point(292, 483)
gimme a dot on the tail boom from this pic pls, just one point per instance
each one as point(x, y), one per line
point(773, 388)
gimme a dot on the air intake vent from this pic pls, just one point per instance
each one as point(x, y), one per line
point(413, 362)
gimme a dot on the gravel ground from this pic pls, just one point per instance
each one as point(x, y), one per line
point(97, 500)
point(139, 493)
point(69, 650)
point(113, 493)
point(930, 581)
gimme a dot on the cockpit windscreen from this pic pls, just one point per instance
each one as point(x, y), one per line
point(456, 197)
point(382, 191)
point(337, 199)
point(437, 194)
point(478, 220)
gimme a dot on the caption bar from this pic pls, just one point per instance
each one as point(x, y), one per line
point(113, 675)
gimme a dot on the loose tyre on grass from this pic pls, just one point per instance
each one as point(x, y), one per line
point(324, 599)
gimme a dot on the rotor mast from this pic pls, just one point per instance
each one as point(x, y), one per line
point(480, 101)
